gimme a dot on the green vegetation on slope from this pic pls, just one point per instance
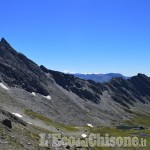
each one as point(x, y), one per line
point(48, 121)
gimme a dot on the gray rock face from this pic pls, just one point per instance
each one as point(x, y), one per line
point(17, 70)
point(84, 89)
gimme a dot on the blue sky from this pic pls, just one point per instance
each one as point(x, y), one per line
point(87, 36)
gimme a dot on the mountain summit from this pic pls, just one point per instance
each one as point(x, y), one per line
point(17, 70)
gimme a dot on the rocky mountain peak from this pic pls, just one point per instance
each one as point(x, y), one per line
point(4, 43)
point(18, 71)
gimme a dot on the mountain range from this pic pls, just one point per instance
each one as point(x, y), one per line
point(36, 99)
point(101, 78)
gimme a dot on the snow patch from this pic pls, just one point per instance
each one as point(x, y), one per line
point(33, 93)
point(84, 135)
point(3, 86)
point(18, 115)
point(90, 125)
point(29, 122)
point(48, 97)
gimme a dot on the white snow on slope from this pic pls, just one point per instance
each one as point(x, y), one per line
point(90, 125)
point(3, 86)
point(18, 115)
point(29, 123)
point(33, 93)
point(48, 97)
point(84, 135)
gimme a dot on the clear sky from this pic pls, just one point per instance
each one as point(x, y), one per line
point(86, 36)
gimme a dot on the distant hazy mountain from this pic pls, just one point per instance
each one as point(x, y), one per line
point(100, 77)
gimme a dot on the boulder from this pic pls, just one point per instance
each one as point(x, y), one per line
point(7, 123)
